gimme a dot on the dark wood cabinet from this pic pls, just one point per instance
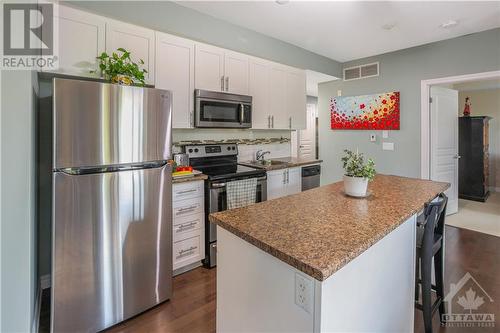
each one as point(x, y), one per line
point(473, 167)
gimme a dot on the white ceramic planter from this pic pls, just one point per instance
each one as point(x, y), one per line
point(355, 186)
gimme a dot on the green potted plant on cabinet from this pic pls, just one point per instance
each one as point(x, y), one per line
point(119, 68)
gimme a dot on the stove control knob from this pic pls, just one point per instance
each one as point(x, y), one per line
point(190, 150)
point(228, 148)
point(234, 148)
point(196, 150)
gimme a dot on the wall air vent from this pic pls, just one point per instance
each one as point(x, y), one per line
point(361, 72)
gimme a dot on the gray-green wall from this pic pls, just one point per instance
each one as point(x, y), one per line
point(17, 202)
point(175, 19)
point(401, 71)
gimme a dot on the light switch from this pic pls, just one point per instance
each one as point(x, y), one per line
point(339, 93)
point(385, 134)
point(388, 146)
point(373, 137)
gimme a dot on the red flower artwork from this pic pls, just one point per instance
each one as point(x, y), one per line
point(368, 112)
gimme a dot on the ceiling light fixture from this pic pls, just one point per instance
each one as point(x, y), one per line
point(448, 24)
point(282, 2)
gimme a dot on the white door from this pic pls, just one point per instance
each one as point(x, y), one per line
point(276, 184)
point(209, 67)
point(294, 181)
point(307, 137)
point(138, 40)
point(236, 73)
point(295, 100)
point(175, 72)
point(81, 39)
point(258, 88)
point(444, 141)
point(277, 97)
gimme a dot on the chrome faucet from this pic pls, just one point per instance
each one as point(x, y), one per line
point(259, 155)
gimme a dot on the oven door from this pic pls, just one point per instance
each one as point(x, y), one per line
point(218, 201)
point(222, 113)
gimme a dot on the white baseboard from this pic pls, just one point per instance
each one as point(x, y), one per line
point(45, 281)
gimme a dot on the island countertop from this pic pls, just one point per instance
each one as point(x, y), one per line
point(321, 230)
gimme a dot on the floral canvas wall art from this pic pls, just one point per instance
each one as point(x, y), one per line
point(366, 112)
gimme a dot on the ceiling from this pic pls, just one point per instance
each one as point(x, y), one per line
point(349, 30)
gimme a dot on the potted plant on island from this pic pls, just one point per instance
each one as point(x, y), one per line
point(357, 173)
point(120, 69)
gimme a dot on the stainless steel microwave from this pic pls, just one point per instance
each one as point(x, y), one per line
point(222, 110)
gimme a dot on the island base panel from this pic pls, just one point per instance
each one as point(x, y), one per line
point(373, 292)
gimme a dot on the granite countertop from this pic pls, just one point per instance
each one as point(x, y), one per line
point(321, 230)
point(289, 162)
point(189, 179)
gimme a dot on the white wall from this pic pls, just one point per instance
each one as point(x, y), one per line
point(17, 201)
point(487, 103)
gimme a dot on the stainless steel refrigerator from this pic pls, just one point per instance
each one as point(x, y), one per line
point(111, 203)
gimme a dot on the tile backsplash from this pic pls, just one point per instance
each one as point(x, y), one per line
point(249, 141)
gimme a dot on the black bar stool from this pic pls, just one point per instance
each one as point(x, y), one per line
point(430, 245)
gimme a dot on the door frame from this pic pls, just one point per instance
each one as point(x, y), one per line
point(425, 124)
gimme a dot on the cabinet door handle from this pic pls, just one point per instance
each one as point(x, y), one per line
point(222, 83)
point(268, 121)
point(272, 121)
point(186, 226)
point(290, 122)
point(227, 83)
point(288, 176)
point(187, 191)
point(284, 177)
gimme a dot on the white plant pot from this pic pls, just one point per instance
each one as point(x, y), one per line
point(355, 186)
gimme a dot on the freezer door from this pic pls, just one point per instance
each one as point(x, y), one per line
point(99, 124)
point(112, 247)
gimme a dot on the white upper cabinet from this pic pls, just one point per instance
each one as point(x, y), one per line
point(218, 69)
point(236, 73)
point(175, 72)
point(258, 88)
point(277, 93)
point(209, 67)
point(296, 98)
point(81, 39)
point(139, 41)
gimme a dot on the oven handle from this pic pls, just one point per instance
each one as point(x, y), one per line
point(221, 185)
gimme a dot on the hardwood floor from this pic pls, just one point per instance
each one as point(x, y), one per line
point(192, 307)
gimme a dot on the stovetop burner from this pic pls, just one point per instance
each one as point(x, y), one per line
point(219, 161)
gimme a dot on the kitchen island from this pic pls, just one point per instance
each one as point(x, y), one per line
point(320, 261)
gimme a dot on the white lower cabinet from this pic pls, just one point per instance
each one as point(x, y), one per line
point(283, 182)
point(188, 227)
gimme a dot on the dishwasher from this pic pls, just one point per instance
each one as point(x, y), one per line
point(310, 176)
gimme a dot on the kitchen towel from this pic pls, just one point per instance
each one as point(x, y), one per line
point(241, 193)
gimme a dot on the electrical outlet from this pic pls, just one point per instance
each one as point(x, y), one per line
point(373, 137)
point(303, 292)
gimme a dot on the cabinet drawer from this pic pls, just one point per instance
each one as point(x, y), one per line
point(188, 190)
point(188, 251)
point(187, 207)
point(186, 224)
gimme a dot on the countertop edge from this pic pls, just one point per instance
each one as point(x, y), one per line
point(280, 166)
point(315, 272)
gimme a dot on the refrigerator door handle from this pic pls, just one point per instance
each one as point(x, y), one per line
point(111, 168)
